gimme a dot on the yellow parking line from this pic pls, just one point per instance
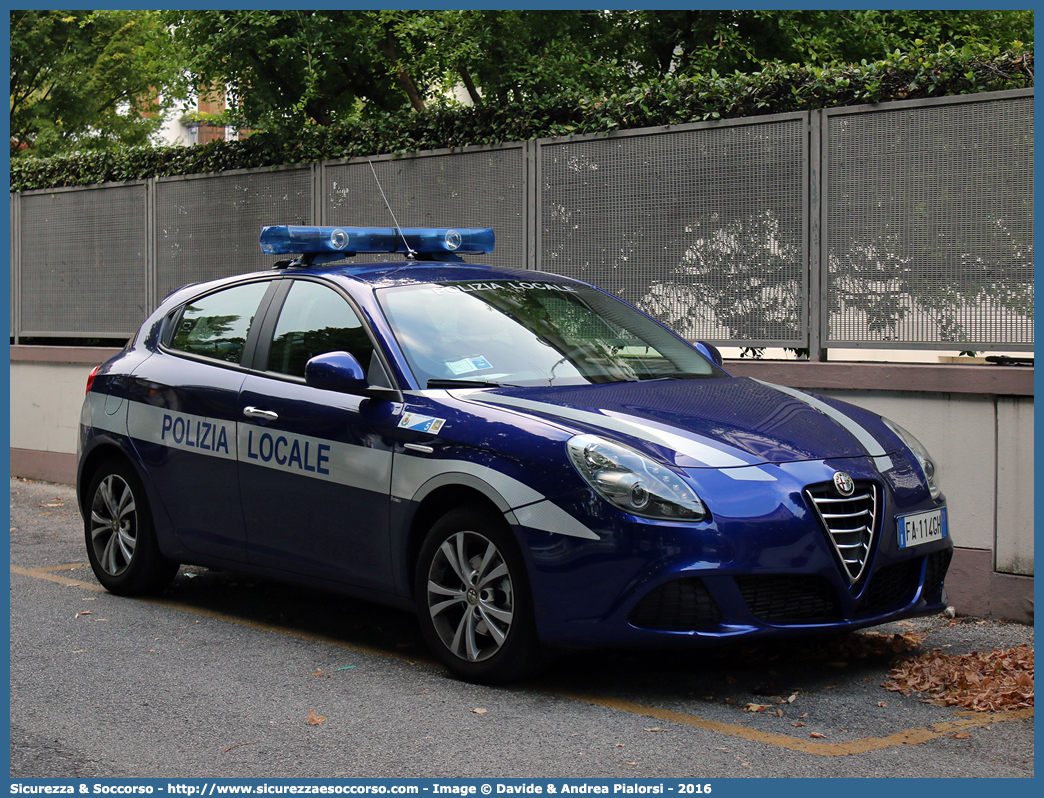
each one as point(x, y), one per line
point(46, 573)
point(865, 745)
point(289, 631)
point(909, 737)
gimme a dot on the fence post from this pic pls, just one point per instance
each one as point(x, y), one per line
point(16, 263)
point(318, 193)
point(152, 297)
point(816, 277)
point(531, 194)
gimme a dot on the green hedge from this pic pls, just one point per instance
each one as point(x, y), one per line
point(670, 101)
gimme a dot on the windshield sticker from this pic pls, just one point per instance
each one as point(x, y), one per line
point(466, 365)
point(419, 423)
point(501, 285)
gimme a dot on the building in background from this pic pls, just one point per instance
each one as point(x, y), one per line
point(188, 129)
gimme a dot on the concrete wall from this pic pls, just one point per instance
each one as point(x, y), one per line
point(977, 421)
point(47, 390)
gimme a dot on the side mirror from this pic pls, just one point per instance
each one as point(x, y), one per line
point(709, 351)
point(336, 371)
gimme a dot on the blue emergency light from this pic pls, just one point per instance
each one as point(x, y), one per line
point(318, 244)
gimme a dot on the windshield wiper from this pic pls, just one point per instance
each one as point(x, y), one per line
point(679, 375)
point(441, 383)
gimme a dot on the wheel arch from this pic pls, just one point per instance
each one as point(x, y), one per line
point(91, 460)
point(439, 496)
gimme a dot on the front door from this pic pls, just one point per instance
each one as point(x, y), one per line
point(315, 465)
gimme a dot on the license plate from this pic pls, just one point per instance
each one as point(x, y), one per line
point(920, 528)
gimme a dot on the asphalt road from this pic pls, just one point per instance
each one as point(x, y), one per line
point(219, 676)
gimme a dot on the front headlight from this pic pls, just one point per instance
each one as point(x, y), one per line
point(633, 481)
point(925, 459)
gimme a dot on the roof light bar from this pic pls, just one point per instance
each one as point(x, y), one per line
point(287, 239)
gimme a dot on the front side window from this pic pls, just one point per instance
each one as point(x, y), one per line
point(515, 332)
point(315, 320)
point(217, 325)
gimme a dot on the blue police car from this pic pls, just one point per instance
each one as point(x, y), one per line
point(522, 459)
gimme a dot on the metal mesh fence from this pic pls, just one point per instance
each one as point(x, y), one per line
point(929, 225)
point(926, 225)
point(704, 228)
point(208, 227)
point(478, 188)
point(84, 267)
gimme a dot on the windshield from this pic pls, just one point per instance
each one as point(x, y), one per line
point(515, 332)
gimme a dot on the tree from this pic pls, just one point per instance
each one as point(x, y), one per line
point(82, 80)
point(513, 56)
point(91, 80)
point(282, 69)
point(691, 42)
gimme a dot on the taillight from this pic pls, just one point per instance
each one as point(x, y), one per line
point(90, 378)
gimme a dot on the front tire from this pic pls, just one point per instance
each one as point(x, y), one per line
point(473, 598)
point(120, 535)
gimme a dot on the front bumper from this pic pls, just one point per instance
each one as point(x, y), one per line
point(762, 565)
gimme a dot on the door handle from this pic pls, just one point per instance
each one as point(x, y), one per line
point(262, 415)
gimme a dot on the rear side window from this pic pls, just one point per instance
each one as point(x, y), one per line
point(217, 325)
point(315, 320)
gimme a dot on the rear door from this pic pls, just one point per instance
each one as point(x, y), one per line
point(184, 410)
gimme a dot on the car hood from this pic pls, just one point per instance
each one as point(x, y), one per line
point(719, 423)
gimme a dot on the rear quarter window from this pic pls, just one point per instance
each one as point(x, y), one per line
point(216, 326)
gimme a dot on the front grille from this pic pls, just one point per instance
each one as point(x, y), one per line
point(935, 573)
point(680, 606)
point(891, 587)
point(798, 598)
point(851, 522)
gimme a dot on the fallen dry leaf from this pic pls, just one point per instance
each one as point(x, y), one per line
point(797, 723)
point(981, 681)
point(315, 720)
point(655, 729)
point(479, 711)
point(960, 736)
point(817, 735)
point(755, 708)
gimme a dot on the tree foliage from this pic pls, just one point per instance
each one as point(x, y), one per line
point(83, 81)
point(671, 100)
point(282, 69)
point(289, 68)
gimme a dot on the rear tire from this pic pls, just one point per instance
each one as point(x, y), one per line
point(473, 598)
point(120, 534)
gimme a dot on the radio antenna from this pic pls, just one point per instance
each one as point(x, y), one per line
point(410, 253)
